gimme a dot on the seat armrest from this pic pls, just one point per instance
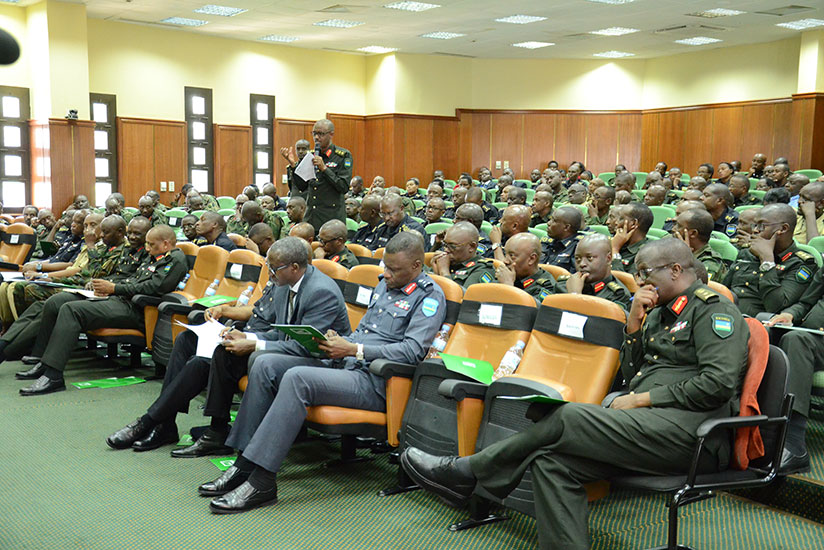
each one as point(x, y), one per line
point(144, 300)
point(461, 389)
point(522, 385)
point(709, 426)
point(387, 369)
point(197, 317)
point(764, 316)
point(610, 397)
point(171, 308)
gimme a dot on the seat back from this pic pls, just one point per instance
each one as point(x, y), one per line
point(453, 292)
point(771, 393)
point(378, 254)
point(660, 215)
point(722, 290)
point(226, 202)
point(190, 250)
point(239, 240)
point(333, 270)
point(725, 248)
point(243, 268)
point(628, 279)
point(210, 264)
point(554, 270)
point(17, 243)
point(360, 282)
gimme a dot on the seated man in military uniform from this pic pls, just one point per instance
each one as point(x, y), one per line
point(332, 239)
point(521, 269)
point(459, 260)
point(684, 354)
point(629, 234)
point(370, 212)
point(147, 208)
point(680, 208)
point(406, 310)
point(563, 234)
point(694, 227)
point(541, 208)
point(395, 221)
point(515, 219)
point(810, 213)
point(475, 195)
point(598, 208)
point(593, 274)
point(740, 189)
point(211, 229)
point(719, 201)
point(773, 272)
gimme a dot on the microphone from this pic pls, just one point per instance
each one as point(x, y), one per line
point(9, 50)
point(317, 154)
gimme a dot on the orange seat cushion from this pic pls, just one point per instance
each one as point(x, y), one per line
point(336, 416)
point(103, 332)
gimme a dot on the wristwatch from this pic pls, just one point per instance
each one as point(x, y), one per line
point(617, 256)
point(495, 246)
point(359, 353)
point(39, 266)
point(766, 266)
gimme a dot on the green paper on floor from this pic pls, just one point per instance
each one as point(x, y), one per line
point(108, 383)
point(232, 415)
point(185, 441)
point(224, 463)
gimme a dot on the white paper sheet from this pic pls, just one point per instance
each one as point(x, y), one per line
point(572, 325)
point(88, 294)
point(364, 295)
point(305, 169)
point(490, 314)
point(208, 336)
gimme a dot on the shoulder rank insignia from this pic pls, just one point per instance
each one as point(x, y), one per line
point(680, 303)
point(706, 295)
point(335, 258)
point(804, 255)
point(563, 278)
point(410, 288)
point(599, 286)
point(613, 286)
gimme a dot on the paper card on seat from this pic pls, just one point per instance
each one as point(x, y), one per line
point(572, 325)
point(235, 271)
point(490, 314)
point(305, 169)
point(14, 239)
point(208, 336)
point(364, 295)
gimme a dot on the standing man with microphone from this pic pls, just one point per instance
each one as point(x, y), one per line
point(325, 194)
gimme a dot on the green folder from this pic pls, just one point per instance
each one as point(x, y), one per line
point(108, 383)
point(473, 368)
point(212, 301)
point(304, 335)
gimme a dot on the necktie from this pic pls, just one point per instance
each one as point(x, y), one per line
point(290, 311)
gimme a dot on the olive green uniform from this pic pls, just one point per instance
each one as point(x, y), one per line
point(539, 285)
point(626, 262)
point(40, 234)
point(209, 202)
point(325, 195)
point(238, 226)
point(596, 219)
point(609, 288)
point(690, 355)
point(345, 258)
point(672, 198)
point(271, 219)
point(473, 271)
point(158, 217)
point(774, 289)
point(713, 262)
point(537, 219)
point(748, 200)
point(384, 233)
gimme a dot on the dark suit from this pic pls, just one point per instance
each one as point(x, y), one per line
point(319, 303)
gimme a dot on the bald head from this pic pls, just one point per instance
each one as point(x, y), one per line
point(475, 195)
point(333, 229)
point(698, 220)
point(666, 251)
point(252, 212)
point(303, 231)
point(470, 212)
point(163, 233)
point(525, 242)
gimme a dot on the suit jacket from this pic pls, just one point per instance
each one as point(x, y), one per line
point(319, 302)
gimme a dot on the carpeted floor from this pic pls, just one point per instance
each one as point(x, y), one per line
point(65, 489)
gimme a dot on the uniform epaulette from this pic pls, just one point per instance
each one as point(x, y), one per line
point(488, 261)
point(613, 286)
point(543, 281)
point(707, 295)
point(340, 152)
point(804, 256)
point(562, 278)
point(425, 282)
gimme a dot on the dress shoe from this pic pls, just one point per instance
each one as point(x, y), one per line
point(210, 443)
point(32, 374)
point(230, 480)
point(793, 463)
point(243, 498)
point(439, 475)
point(43, 385)
point(162, 434)
point(126, 436)
point(30, 360)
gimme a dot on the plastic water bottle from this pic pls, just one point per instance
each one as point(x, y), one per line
point(245, 296)
point(182, 284)
point(511, 360)
point(439, 343)
point(212, 290)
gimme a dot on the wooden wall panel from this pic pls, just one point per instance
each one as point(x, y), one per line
point(350, 134)
point(630, 140)
point(380, 161)
point(698, 140)
point(135, 159)
point(170, 161)
point(287, 133)
point(671, 131)
point(601, 142)
point(446, 147)
point(83, 152)
point(481, 143)
point(417, 146)
point(233, 159)
point(756, 132)
point(781, 132)
point(801, 124)
point(60, 163)
point(649, 143)
point(570, 139)
point(539, 142)
point(727, 134)
point(466, 123)
point(507, 143)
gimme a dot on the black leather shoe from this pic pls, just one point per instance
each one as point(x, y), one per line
point(242, 499)
point(210, 443)
point(162, 434)
point(30, 360)
point(793, 464)
point(42, 386)
point(439, 475)
point(126, 436)
point(230, 480)
point(32, 374)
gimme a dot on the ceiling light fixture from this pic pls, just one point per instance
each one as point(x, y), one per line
point(802, 24)
point(698, 41)
point(377, 49)
point(225, 11)
point(520, 19)
point(338, 23)
point(184, 22)
point(533, 45)
point(442, 35)
point(612, 54)
point(614, 31)
point(278, 38)
point(411, 6)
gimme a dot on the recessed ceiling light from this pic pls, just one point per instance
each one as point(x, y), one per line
point(533, 45)
point(614, 31)
point(698, 41)
point(717, 12)
point(278, 38)
point(184, 22)
point(411, 6)
point(338, 23)
point(520, 19)
point(9, 1)
point(802, 24)
point(442, 35)
point(377, 49)
point(612, 1)
point(613, 54)
point(225, 11)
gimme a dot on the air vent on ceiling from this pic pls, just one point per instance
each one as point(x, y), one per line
point(454, 54)
point(786, 10)
point(578, 36)
point(341, 8)
point(688, 29)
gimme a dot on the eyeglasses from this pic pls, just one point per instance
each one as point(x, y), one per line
point(325, 241)
point(452, 246)
point(275, 270)
point(761, 225)
point(316, 133)
point(644, 274)
point(391, 213)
